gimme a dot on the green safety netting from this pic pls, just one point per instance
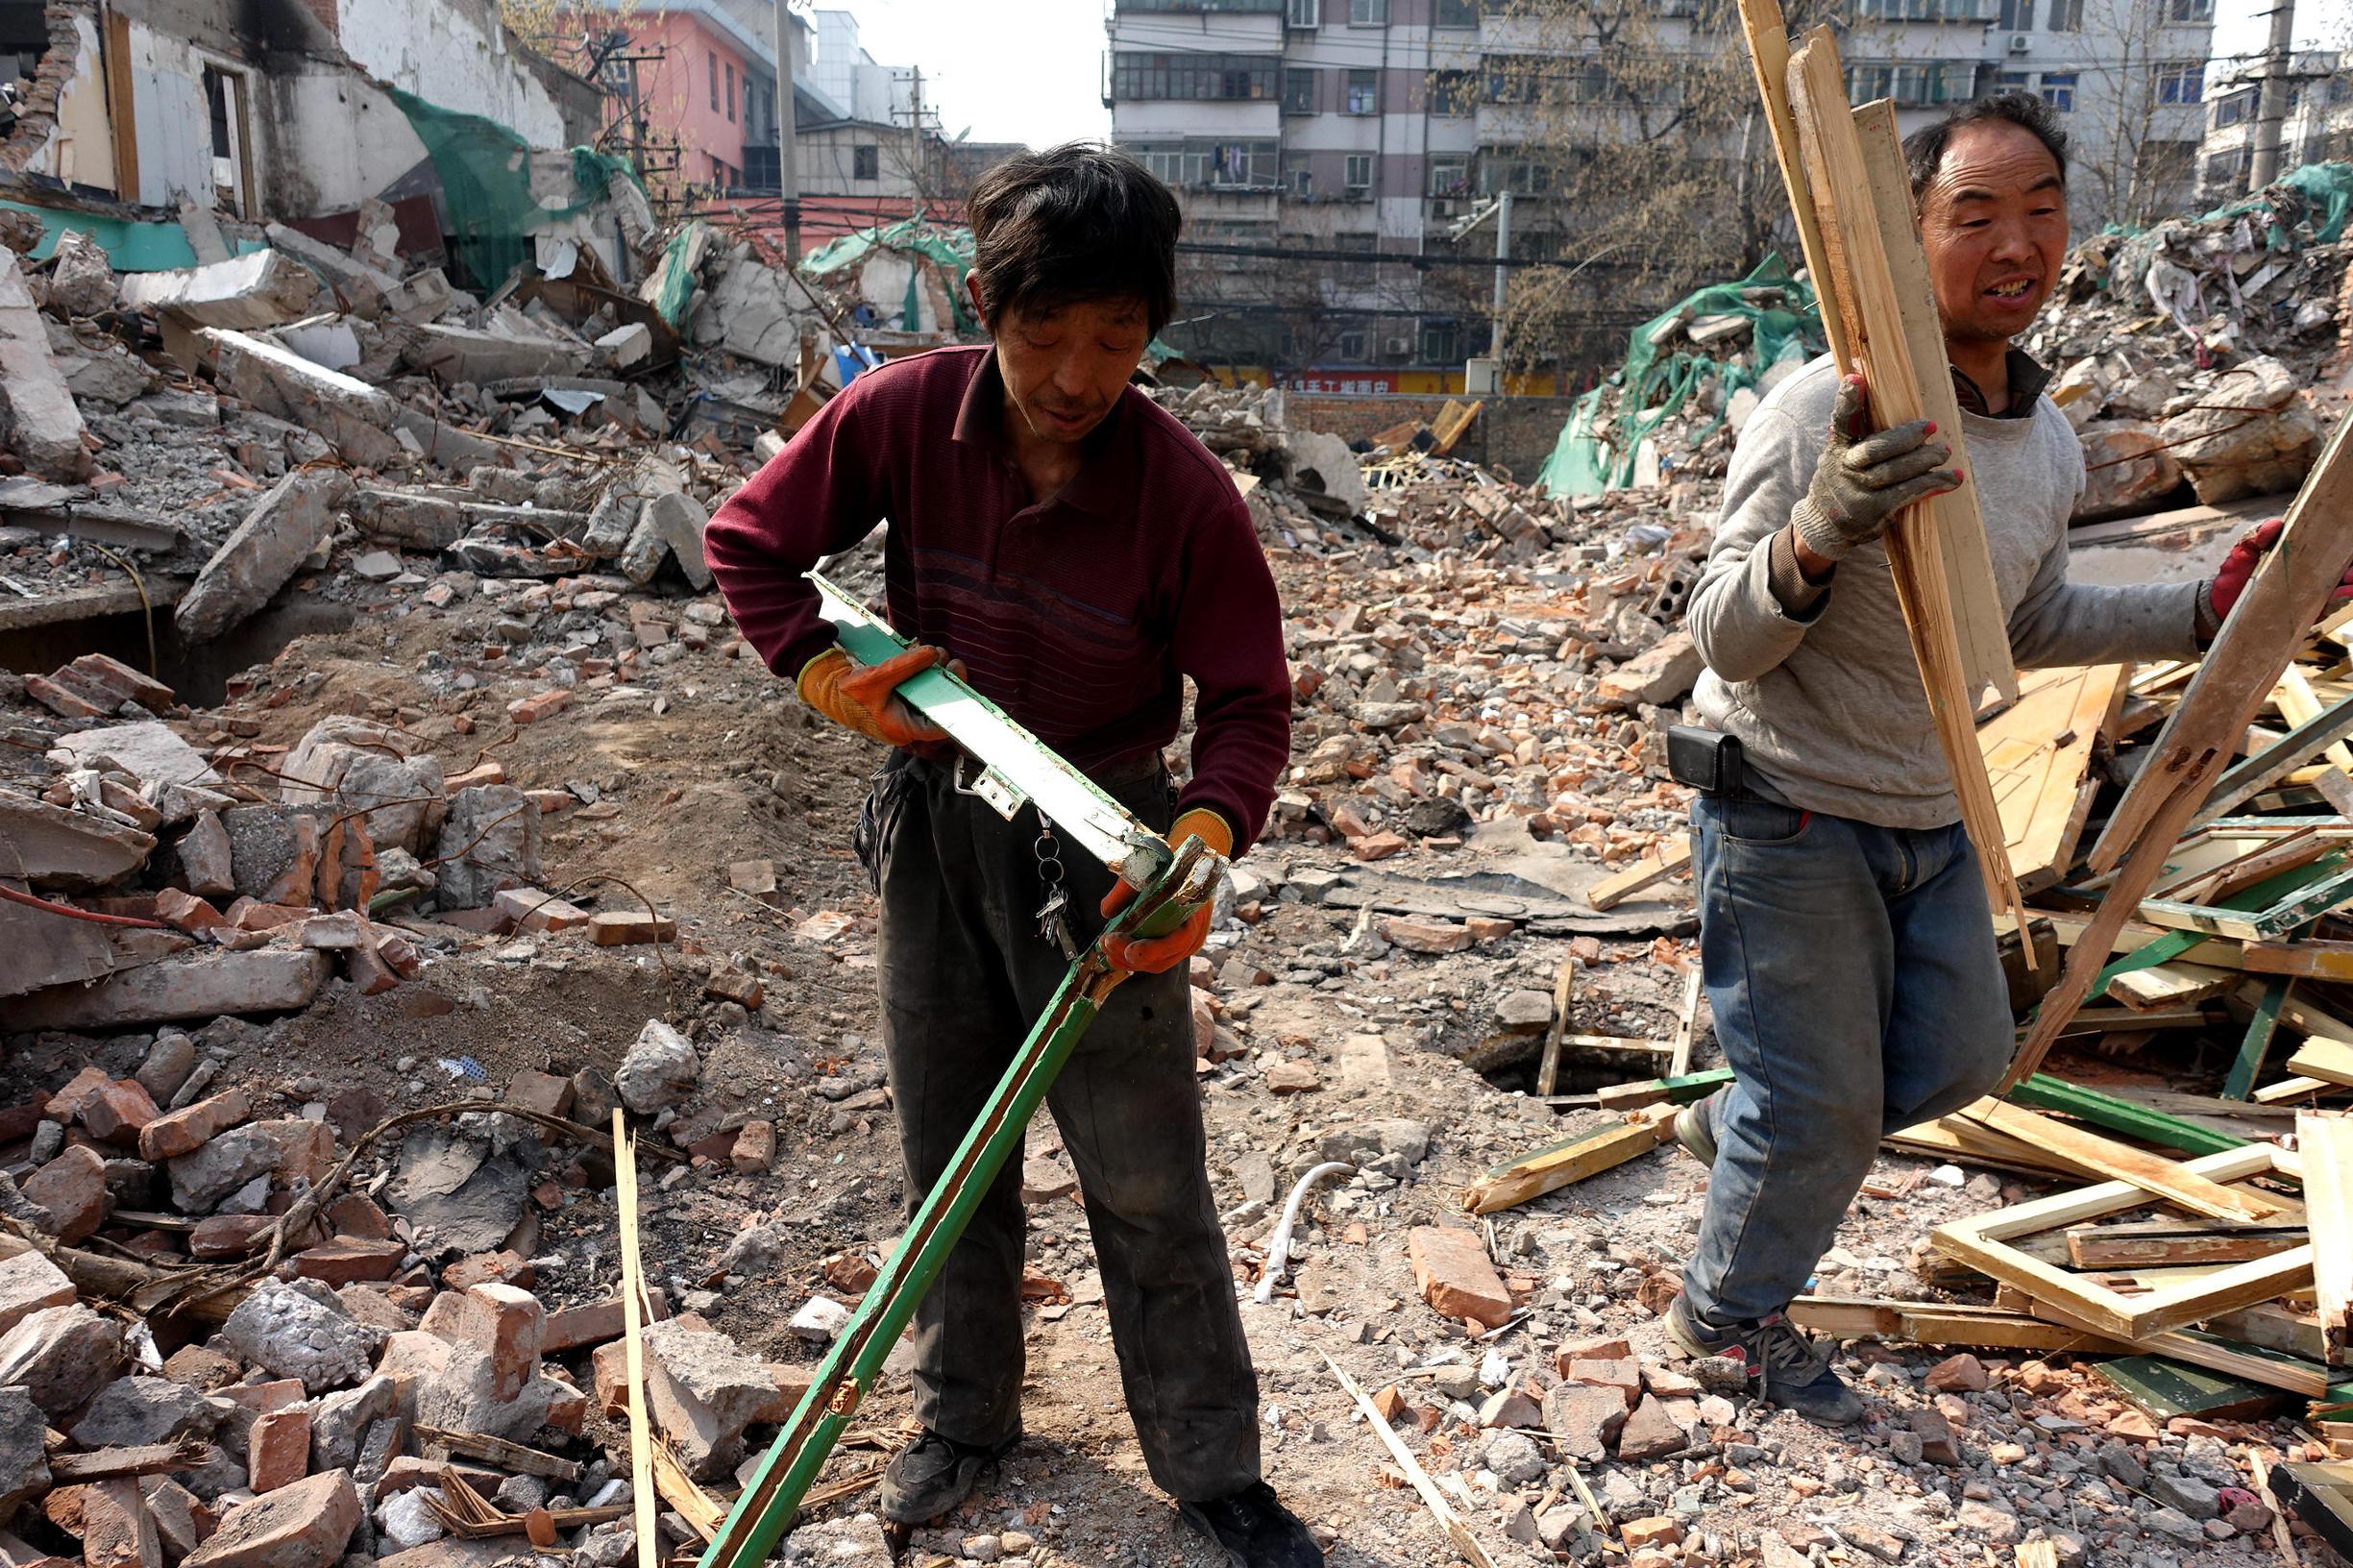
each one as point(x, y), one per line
point(486, 173)
point(1593, 455)
point(950, 247)
point(677, 290)
point(2327, 193)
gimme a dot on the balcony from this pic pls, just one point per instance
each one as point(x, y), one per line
point(1196, 7)
point(1962, 12)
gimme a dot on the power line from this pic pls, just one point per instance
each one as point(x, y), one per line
point(1421, 262)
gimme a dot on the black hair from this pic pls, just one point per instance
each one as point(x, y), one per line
point(1924, 149)
point(1077, 222)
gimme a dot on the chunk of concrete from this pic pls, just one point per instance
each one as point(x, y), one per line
point(38, 419)
point(135, 1411)
point(1662, 674)
point(297, 1329)
point(489, 841)
point(671, 525)
point(147, 749)
point(260, 289)
point(81, 277)
point(660, 1069)
point(197, 984)
point(628, 344)
point(451, 354)
point(702, 1390)
point(267, 549)
point(2128, 469)
point(273, 854)
point(354, 417)
point(56, 848)
point(2253, 434)
point(29, 1282)
point(61, 1355)
point(355, 764)
point(24, 1457)
point(73, 1189)
point(302, 1525)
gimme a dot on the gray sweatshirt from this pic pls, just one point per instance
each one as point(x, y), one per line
point(1827, 702)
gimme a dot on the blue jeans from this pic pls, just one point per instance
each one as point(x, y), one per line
point(1856, 991)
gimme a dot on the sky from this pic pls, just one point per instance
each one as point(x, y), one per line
point(1008, 70)
point(1032, 70)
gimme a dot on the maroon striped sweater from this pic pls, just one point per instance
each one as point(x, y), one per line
point(1079, 617)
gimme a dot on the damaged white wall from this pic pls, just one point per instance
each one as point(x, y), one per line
point(79, 149)
point(170, 123)
point(455, 56)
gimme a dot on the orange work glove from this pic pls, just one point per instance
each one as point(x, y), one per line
point(860, 697)
point(1156, 955)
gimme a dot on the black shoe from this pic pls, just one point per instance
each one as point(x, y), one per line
point(1256, 1531)
point(1695, 1129)
point(1785, 1367)
point(932, 1475)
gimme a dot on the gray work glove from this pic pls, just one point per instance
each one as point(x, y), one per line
point(1863, 479)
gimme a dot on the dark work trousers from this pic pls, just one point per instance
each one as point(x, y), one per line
point(964, 975)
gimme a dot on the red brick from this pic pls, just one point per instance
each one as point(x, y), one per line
point(183, 1132)
point(533, 910)
point(302, 1525)
point(348, 1260)
point(541, 1092)
point(118, 1111)
point(511, 1326)
point(730, 985)
point(1452, 1271)
point(1625, 1376)
point(610, 1373)
point(186, 912)
point(207, 1371)
point(227, 1236)
point(1660, 1530)
point(66, 1103)
point(278, 1449)
point(623, 928)
point(73, 1189)
point(756, 1148)
point(530, 710)
point(487, 1268)
point(592, 1324)
point(355, 1214)
point(116, 1529)
point(251, 915)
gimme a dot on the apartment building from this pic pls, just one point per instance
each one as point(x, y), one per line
point(1301, 134)
point(2318, 127)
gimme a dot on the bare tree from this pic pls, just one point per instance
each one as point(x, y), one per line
point(2135, 114)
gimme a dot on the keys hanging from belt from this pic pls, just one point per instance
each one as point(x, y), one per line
point(1053, 923)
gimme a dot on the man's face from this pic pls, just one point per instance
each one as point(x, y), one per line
point(1993, 222)
point(1064, 369)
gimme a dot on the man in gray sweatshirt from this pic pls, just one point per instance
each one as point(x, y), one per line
point(1845, 938)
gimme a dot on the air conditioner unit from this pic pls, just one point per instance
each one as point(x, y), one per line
point(1397, 346)
point(1441, 207)
point(2021, 43)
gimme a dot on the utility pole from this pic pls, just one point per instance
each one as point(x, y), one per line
point(2271, 104)
point(788, 173)
point(915, 148)
point(1503, 253)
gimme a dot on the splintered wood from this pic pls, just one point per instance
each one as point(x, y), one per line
point(2038, 755)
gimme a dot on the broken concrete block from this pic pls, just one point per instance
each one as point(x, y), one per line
point(627, 345)
point(273, 854)
point(1585, 1419)
point(2252, 433)
point(73, 1189)
point(198, 984)
point(1663, 673)
point(29, 1282)
point(207, 863)
point(81, 277)
point(38, 419)
point(339, 1422)
point(660, 1069)
point(703, 1391)
point(509, 1325)
point(55, 847)
point(116, 1529)
point(462, 1397)
point(451, 355)
point(355, 764)
point(260, 289)
point(285, 526)
point(354, 417)
point(147, 749)
point(61, 1355)
point(2128, 468)
point(137, 1410)
point(489, 841)
point(670, 523)
point(1452, 1271)
point(750, 302)
point(301, 1526)
point(24, 1458)
point(297, 1329)
point(181, 1519)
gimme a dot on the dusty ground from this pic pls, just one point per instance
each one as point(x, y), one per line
point(701, 759)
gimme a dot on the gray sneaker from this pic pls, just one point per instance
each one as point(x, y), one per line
point(1785, 1367)
point(1695, 1129)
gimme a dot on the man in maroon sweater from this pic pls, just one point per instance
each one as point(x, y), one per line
point(1078, 556)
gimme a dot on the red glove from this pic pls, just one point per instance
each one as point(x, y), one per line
point(860, 697)
point(2239, 568)
point(1156, 955)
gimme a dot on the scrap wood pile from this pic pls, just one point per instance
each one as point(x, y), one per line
point(278, 1326)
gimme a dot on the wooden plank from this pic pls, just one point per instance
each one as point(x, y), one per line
point(1932, 1323)
point(2214, 1351)
point(2316, 888)
point(2292, 1088)
point(2249, 778)
point(2290, 591)
point(1936, 553)
point(1953, 1139)
point(633, 1316)
point(1616, 1042)
point(2151, 1173)
point(1683, 1090)
point(2160, 1242)
point(506, 1455)
point(2300, 705)
point(1650, 869)
point(2043, 1092)
point(2306, 958)
point(1564, 987)
point(2321, 1495)
point(1686, 1022)
point(1767, 32)
point(2178, 984)
point(2165, 1389)
point(2255, 1043)
point(1571, 1161)
point(703, 1513)
point(2325, 1140)
point(2037, 759)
